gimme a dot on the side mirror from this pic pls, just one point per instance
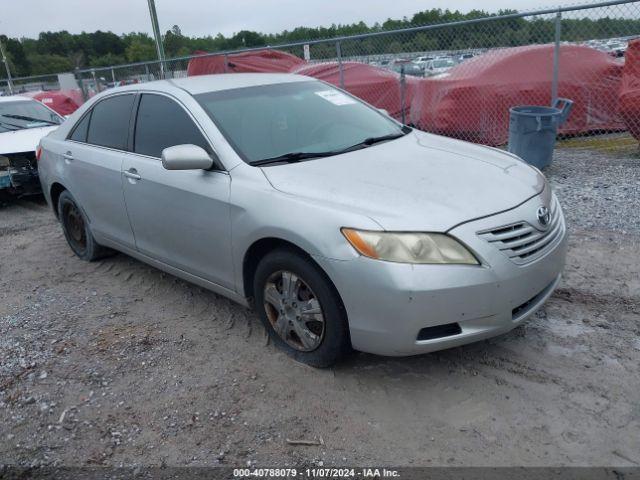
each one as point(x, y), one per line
point(383, 111)
point(188, 157)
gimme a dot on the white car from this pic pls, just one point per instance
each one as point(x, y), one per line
point(23, 122)
point(438, 66)
point(422, 61)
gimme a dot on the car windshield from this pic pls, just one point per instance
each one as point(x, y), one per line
point(297, 119)
point(20, 115)
point(444, 62)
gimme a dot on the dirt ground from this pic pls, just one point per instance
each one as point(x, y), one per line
point(116, 363)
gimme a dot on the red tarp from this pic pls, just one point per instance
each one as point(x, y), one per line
point(244, 62)
point(472, 100)
point(63, 102)
point(377, 86)
point(630, 89)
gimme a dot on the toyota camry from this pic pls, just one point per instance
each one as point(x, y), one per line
point(342, 228)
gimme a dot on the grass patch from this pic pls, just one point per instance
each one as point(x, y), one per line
point(622, 143)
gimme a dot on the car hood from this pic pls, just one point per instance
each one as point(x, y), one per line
point(25, 140)
point(420, 182)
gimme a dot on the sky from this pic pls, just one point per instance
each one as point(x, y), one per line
point(27, 18)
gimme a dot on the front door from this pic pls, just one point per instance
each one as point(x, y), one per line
point(179, 217)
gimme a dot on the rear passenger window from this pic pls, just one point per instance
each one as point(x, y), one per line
point(109, 124)
point(162, 123)
point(80, 131)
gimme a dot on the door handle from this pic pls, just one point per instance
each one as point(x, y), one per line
point(67, 156)
point(132, 173)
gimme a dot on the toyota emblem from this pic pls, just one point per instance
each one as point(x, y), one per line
point(544, 216)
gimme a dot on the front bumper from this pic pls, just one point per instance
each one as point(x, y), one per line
point(388, 304)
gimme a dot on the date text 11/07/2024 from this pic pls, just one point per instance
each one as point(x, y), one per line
point(316, 473)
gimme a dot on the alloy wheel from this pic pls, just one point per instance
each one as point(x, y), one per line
point(294, 311)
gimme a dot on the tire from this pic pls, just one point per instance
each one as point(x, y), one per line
point(76, 230)
point(326, 342)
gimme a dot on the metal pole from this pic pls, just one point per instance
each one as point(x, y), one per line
point(83, 87)
point(113, 76)
point(95, 81)
point(156, 34)
point(556, 59)
point(6, 66)
point(340, 69)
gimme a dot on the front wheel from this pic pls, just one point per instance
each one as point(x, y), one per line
point(301, 309)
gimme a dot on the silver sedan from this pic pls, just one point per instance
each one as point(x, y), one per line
point(343, 228)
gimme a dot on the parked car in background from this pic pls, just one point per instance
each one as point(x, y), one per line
point(464, 56)
point(342, 227)
point(616, 49)
point(407, 67)
point(422, 61)
point(23, 122)
point(63, 102)
point(438, 66)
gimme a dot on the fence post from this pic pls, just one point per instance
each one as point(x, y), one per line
point(6, 66)
point(403, 82)
point(226, 63)
point(113, 76)
point(83, 87)
point(340, 69)
point(556, 59)
point(146, 71)
point(95, 80)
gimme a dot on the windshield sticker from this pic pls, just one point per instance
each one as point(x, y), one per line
point(335, 97)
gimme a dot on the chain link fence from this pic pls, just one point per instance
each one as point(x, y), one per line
point(457, 79)
point(36, 83)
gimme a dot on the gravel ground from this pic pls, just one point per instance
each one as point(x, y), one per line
point(599, 190)
point(116, 363)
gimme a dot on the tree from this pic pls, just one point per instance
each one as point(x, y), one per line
point(45, 63)
point(107, 60)
point(18, 61)
point(140, 47)
point(174, 42)
point(140, 52)
point(246, 39)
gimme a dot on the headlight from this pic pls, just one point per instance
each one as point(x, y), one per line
point(409, 247)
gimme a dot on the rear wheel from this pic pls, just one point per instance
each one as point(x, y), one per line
point(76, 229)
point(301, 309)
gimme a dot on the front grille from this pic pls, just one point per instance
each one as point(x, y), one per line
point(521, 241)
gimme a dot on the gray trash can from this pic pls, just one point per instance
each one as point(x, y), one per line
point(533, 129)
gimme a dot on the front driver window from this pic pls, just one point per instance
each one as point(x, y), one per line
point(162, 123)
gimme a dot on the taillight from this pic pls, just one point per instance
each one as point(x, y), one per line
point(38, 153)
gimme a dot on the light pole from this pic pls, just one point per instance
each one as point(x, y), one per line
point(6, 65)
point(156, 34)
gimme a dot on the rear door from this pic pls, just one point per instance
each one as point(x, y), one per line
point(178, 217)
point(93, 155)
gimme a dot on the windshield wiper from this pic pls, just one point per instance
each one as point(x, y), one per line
point(373, 140)
point(29, 119)
point(15, 127)
point(292, 157)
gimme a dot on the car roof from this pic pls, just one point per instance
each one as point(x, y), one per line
point(15, 98)
point(217, 82)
